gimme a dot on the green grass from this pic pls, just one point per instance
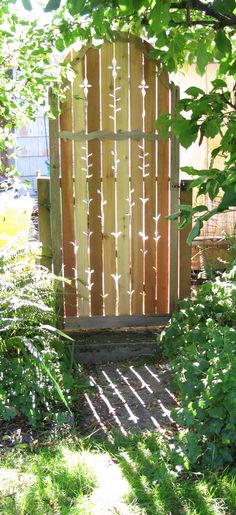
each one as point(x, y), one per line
point(47, 480)
point(59, 479)
point(158, 488)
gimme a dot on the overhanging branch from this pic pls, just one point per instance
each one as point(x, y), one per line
point(225, 20)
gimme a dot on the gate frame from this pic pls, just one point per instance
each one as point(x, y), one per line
point(179, 252)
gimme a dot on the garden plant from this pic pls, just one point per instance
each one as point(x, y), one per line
point(200, 342)
point(35, 366)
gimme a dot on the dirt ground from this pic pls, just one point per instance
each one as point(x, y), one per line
point(128, 397)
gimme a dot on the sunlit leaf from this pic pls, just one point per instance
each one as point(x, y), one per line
point(223, 43)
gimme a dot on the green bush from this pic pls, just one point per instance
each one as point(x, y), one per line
point(200, 341)
point(35, 379)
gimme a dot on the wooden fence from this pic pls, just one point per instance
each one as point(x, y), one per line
point(113, 181)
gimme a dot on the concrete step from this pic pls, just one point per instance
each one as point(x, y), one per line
point(92, 348)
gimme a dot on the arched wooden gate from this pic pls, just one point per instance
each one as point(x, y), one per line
point(117, 181)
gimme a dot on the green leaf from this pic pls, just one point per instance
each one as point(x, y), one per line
point(224, 6)
point(228, 200)
point(160, 16)
point(212, 188)
point(215, 152)
point(196, 182)
point(53, 329)
point(126, 6)
point(194, 232)
point(219, 83)
point(75, 6)
point(185, 130)
point(60, 45)
point(163, 123)
point(161, 41)
point(193, 91)
point(27, 5)
point(52, 5)
point(173, 216)
point(210, 128)
point(223, 43)
point(192, 171)
point(217, 412)
point(203, 57)
point(199, 209)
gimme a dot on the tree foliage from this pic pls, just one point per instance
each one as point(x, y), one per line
point(192, 31)
point(26, 72)
point(182, 31)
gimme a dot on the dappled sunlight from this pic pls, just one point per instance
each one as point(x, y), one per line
point(104, 498)
point(143, 383)
point(152, 374)
point(13, 479)
point(95, 414)
point(156, 424)
point(104, 471)
point(130, 398)
point(111, 409)
point(130, 387)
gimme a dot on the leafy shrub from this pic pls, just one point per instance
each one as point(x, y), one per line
point(200, 340)
point(35, 380)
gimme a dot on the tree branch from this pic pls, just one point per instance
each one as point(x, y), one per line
point(193, 23)
point(197, 5)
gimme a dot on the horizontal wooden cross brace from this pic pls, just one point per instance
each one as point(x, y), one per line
point(115, 136)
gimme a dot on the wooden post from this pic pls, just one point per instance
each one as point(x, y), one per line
point(55, 196)
point(163, 185)
point(55, 188)
point(185, 249)
point(174, 202)
point(43, 187)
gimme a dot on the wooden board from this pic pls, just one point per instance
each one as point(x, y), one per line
point(150, 76)
point(136, 182)
point(43, 189)
point(97, 322)
point(81, 193)
point(55, 189)
point(185, 249)
point(163, 203)
point(174, 202)
point(120, 183)
point(123, 193)
point(68, 229)
point(94, 183)
point(108, 178)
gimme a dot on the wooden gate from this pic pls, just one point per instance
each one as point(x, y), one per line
point(117, 182)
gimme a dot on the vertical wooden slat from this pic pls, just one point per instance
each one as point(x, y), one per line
point(185, 249)
point(95, 222)
point(68, 206)
point(81, 206)
point(174, 202)
point(150, 188)
point(43, 188)
point(136, 181)
point(123, 245)
point(108, 178)
point(55, 189)
point(163, 204)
